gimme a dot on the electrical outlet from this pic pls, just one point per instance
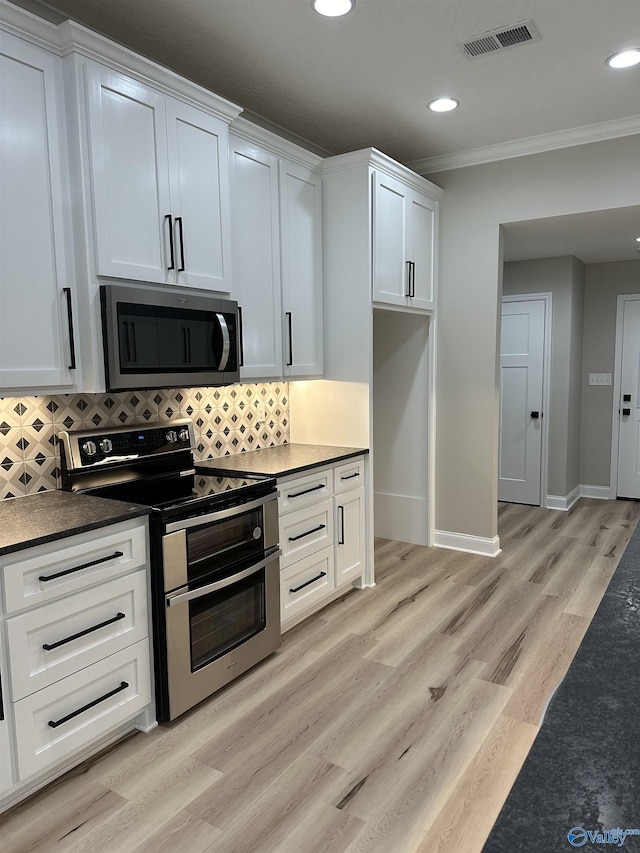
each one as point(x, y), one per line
point(599, 379)
point(261, 413)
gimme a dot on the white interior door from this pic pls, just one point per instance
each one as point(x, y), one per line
point(521, 388)
point(629, 429)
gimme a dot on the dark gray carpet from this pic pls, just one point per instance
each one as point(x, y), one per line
point(584, 767)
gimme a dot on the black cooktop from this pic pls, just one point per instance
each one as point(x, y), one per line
point(153, 465)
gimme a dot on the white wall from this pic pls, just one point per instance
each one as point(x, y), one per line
point(476, 201)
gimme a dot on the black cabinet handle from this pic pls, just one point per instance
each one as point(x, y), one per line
point(1, 702)
point(350, 476)
point(308, 533)
point(173, 260)
point(341, 525)
point(290, 331)
point(72, 340)
point(49, 646)
point(306, 491)
point(408, 293)
point(306, 583)
point(241, 331)
point(181, 235)
point(113, 556)
point(55, 723)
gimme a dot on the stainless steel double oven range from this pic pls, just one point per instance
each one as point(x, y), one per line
point(214, 553)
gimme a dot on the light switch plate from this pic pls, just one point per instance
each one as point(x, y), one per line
point(599, 379)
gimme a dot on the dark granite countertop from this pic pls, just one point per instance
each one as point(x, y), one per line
point(583, 770)
point(51, 515)
point(282, 460)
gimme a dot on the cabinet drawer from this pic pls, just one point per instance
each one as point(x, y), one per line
point(349, 475)
point(305, 583)
point(47, 572)
point(306, 490)
point(84, 707)
point(306, 531)
point(78, 630)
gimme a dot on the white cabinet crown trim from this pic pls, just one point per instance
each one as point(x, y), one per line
point(382, 162)
point(25, 25)
point(75, 39)
point(275, 144)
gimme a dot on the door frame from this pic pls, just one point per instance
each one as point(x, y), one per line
point(547, 298)
point(615, 413)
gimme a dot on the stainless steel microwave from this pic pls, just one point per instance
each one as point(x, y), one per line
point(166, 337)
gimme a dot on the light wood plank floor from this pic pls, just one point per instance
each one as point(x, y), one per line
point(395, 720)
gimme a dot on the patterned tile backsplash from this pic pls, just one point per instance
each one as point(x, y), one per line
point(226, 420)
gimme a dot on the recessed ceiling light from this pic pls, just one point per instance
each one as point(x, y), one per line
point(625, 58)
point(333, 8)
point(443, 105)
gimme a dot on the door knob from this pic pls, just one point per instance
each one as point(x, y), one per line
point(535, 415)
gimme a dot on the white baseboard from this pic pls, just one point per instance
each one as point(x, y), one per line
point(602, 493)
point(563, 503)
point(465, 542)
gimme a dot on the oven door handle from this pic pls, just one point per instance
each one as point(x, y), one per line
point(181, 598)
point(238, 509)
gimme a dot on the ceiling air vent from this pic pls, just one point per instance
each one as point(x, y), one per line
point(499, 39)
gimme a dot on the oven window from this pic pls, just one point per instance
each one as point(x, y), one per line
point(218, 545)
point(222, 620)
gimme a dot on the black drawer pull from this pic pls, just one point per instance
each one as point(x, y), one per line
point(350, 476)
point(49, 646)
point(113, 556)
point(55, 723)
point(308, 533)
point(306, 583)
point(341, 520)
point(306, 491)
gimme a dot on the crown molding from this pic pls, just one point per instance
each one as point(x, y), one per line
point(76, 40)
point(599, 132)
point(278, 145)
point(371, 157)
point(26, 25)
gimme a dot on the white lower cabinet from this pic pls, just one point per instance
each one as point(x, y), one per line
point(78, 667)
point(322, 536)
point(6, 772)
point(79, 709)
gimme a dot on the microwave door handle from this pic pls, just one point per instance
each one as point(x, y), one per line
point(226, 343)
point(181, 598)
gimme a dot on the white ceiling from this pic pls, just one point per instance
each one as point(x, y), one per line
point(365, 79)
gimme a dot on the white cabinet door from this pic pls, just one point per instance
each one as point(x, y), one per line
point(350, 535)
point(6, 773)
point(390, 270)
point(420, 250)
point(199, 189)
point(130, 178)
point(35, 335)
point(256, 258)
point(403, 244)
point(301, 241)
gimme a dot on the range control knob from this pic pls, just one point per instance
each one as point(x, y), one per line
point(183, 435)
point(172, 436)
point(106, 446)
point(89, 447)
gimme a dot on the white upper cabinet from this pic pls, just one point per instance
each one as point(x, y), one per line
point(301, 242)
point(160, 189)
point(403, 244)
point(255, 233)
point(36, 296)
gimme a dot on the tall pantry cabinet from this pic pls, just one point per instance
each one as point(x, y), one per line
point(380, 224)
